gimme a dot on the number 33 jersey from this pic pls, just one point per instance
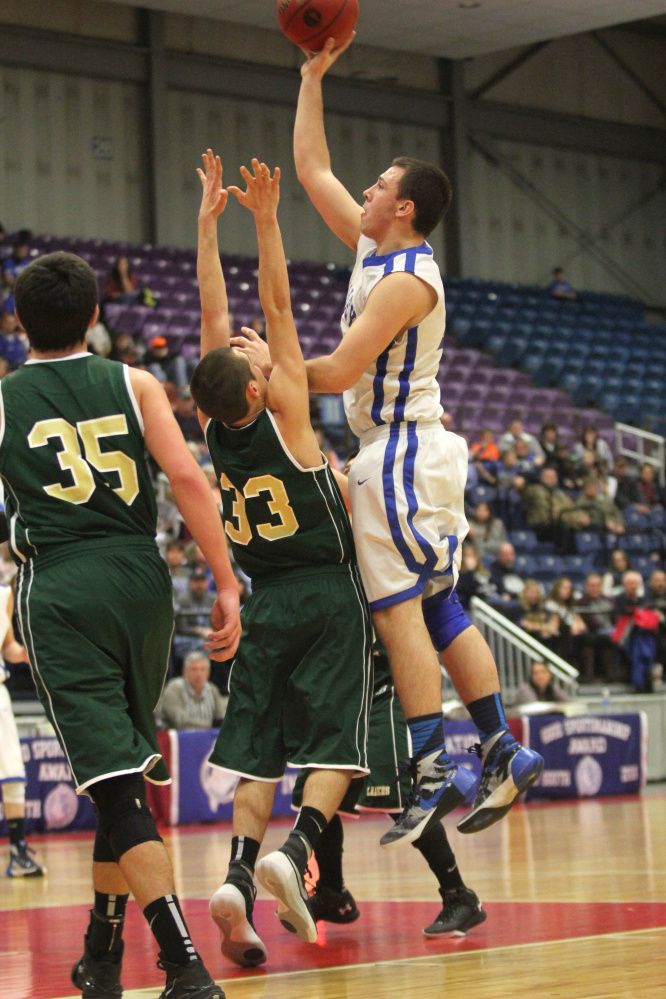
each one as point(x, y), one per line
point(278, 515)
point(72, 455)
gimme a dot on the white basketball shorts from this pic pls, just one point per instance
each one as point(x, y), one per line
point(11, 758)
point(407, 488)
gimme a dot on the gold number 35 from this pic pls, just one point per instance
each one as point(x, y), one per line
point(278, 504)
point(72, 461)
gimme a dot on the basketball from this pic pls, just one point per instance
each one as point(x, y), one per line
point(308, 23)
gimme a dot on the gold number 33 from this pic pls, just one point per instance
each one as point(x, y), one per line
point(278, 504)
point(71, 460)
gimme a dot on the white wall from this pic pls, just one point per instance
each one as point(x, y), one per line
point(50, 178)
point(238, 130)
point(513, 239)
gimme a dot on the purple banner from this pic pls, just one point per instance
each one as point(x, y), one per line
point(51, 803)
point(589, 755)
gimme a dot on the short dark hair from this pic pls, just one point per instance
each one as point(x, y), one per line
point(56, 297)
point(219, 385)
point(428, 187)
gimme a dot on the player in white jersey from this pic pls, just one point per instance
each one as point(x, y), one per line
point(12, 771)
point(407, 483)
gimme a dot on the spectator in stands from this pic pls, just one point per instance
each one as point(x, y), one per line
point(548, 441)
point(447, 421)
point(508, 584)
point(121, 283)
point(507, 471)
point(514, 433)
point(560, 288)
point(98, 339)
point(618, 565)
point(635, 632)
point(486, 531)
point(13, 346)
point(527, 465)
point(651, 492)
point(623, 487)
point(192, 615)
point(125, 350)
point(474, 578)
point(175, 560)
point(484, 455)
point(596, 653)
point(561, 602)
point(566, 466)
point(594, 512)
point(185, 412)
point(655, 599)
point(543, 624)
point(540, 687)
point(191, 700)
point(13, 265)
point(166, 365)
point(544, 505)
point(258, 324)
point(593, 446)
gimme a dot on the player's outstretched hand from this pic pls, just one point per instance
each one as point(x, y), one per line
point(214, 197)
point(255, 349)
point(317, 63)
point(223, 641)
point(263, 191)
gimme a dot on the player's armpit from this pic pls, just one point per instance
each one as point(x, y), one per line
point(398, 302)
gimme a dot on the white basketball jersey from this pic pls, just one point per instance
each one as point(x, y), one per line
point(401, 385)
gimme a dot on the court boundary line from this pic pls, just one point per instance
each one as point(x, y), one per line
point(146, 993)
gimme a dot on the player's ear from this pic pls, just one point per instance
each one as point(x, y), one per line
point(95, 316)
point(405, 208)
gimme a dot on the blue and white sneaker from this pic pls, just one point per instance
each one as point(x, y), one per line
point(438, 786)
point(508, 770)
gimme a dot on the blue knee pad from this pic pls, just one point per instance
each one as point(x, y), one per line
point(445, 618)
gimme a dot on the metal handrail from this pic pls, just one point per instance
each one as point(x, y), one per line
point(658, 456)
point(515, 650)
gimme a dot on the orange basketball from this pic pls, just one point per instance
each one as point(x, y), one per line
point(308, 23)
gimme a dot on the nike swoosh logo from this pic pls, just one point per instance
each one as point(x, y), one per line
point(361, 481)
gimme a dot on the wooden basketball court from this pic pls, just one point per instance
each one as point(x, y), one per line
point(575, 895)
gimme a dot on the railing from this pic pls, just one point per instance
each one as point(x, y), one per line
point(650, 448)
point(515, 650)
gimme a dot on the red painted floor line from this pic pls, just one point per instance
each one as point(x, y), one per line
point(39, 946)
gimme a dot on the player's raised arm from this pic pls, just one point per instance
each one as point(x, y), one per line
point(287, 391)
point(313, 163)
point(212, 289)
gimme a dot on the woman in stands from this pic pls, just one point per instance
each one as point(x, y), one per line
point(542, 624)
point(611, 581)
point(487, 532)
point(595, 445)
point(560, 601)
point(540, 687)
point(121, 286)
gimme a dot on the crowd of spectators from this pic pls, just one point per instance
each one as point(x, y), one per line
point(534, 482)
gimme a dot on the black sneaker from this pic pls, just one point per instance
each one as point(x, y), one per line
point(99, 979)
point(231, 909)
point(188, 981)
point(333, 906)
point(21, 863)
point(460, 912)
point(279, 875)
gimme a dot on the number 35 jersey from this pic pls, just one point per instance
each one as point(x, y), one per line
point(72, 455)
point(278, 515)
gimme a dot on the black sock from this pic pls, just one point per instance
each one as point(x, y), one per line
point(106, 924)
point(434, 846)
point(488, 716)
point(244, 851)
point(168, 926)
point(16, 830)
point(311, 824)
point(328, 853)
